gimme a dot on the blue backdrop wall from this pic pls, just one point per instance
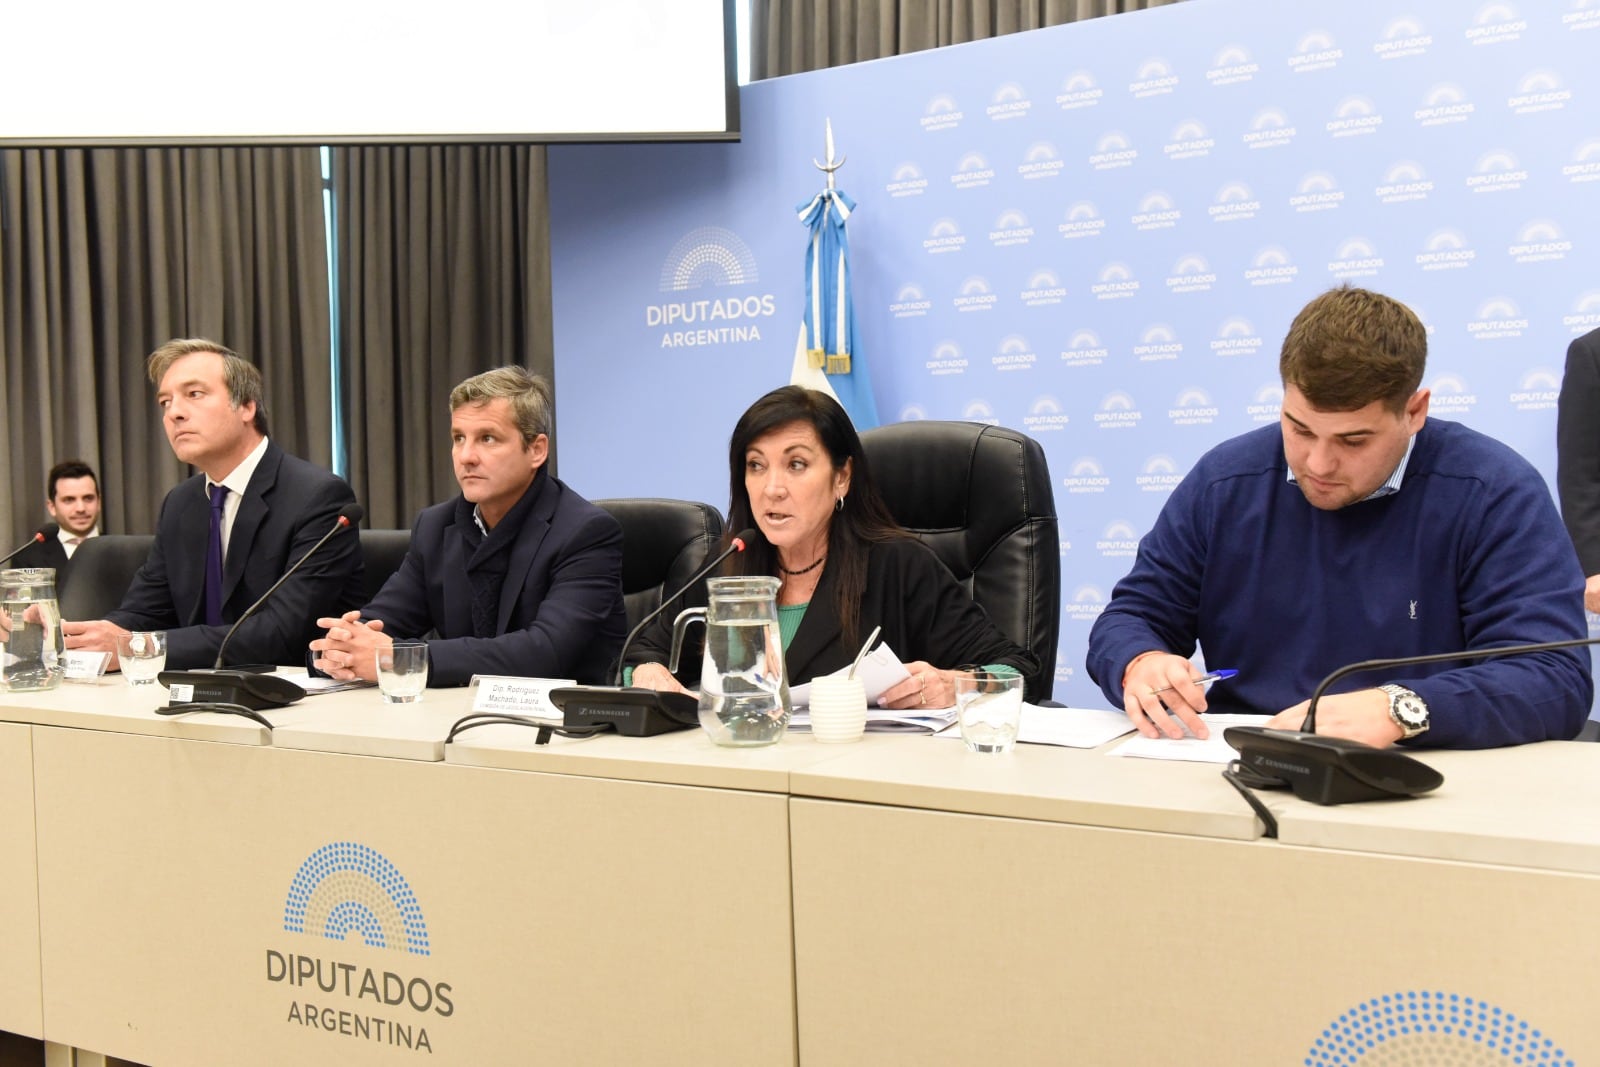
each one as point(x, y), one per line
point(1098, 234)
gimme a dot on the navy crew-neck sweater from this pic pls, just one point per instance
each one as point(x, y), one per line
point(1470, 553)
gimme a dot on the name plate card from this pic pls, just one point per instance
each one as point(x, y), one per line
point(518, 696)
point(81, 666)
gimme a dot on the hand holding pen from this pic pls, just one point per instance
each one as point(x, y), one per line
point(1162, 695)
point(1203, 680)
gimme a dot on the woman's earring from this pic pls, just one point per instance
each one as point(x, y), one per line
point(838, 504)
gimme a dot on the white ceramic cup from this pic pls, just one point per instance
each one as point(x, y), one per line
point(838, 709)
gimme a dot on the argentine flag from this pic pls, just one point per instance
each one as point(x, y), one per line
point(825, 356)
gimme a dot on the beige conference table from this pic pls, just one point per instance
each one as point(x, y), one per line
point(1099, 909)
point(204, 902)
point(20, 999)
point(646, 917)
point(941, 917)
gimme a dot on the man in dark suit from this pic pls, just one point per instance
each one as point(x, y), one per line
point(518, 575)
point(73, 500)
point(228, 533)
point(1578, 457)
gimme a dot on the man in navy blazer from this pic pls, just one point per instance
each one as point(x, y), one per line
point(518, 575)
point(271, 509)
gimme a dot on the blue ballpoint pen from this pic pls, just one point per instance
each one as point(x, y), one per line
point(1204, 679)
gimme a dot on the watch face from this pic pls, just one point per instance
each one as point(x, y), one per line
point(1411, 712)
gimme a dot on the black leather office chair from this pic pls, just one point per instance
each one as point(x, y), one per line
point(980, 497)
point(663, 543)
point(381, 554)
point(99, 574)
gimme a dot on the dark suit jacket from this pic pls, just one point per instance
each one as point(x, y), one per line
point(52, 553)
point(561, 609)
point(1578, 448)
point(924, 613)
point(287, 508)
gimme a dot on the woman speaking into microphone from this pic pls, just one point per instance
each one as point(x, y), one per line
point(798, 475)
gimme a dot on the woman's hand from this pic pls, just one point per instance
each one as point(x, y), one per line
point(656, 676)
point(928, 687)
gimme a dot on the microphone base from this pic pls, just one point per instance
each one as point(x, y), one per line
point(630, 710)
point(1330, 770)
point(258, 692)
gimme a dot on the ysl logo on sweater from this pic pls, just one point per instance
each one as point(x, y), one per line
point(1413, 609)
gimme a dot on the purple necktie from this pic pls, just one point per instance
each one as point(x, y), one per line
point(219, 493)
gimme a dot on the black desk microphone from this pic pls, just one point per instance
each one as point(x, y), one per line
point(635, 711)
point(245, 687)
point(1335, 770)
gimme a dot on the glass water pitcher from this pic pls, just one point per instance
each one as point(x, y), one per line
point(30, 630)
point(744, 696)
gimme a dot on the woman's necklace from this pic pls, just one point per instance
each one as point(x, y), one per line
point(803, 570)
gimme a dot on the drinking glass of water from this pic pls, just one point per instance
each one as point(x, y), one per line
point(142, 655)
point(403, 670)
point(989, 707)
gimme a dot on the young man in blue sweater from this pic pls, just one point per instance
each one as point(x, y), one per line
point(1357, 529)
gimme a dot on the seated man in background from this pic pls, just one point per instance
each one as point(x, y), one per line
point(518, 575)
point(227, 534)
point(72, 496)
point(1358, 529)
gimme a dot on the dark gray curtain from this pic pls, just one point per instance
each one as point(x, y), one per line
point(106, 253)
point(444, 272)
point(791, 36)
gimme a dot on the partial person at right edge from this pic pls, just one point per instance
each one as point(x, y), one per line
point(1578, 457)
point(799, 475)
point(518, 575)
point(1357, 529)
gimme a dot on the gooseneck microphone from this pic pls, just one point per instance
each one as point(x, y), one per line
point(47, 531)
point(1336, 770)
point(737, 544)
point(635, 711)
point(246, 687)
point(349, 515)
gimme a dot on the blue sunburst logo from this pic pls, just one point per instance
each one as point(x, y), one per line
point(1434, 1028)
point(346, 888)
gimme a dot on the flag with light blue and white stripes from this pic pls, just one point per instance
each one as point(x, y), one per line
point(826, 356)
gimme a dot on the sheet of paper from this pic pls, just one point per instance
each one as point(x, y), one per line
point(880, 670)
point(884, 721)
point(1065, 727)
point(1189, 748)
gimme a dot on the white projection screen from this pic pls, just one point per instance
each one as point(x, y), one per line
point(149, 72)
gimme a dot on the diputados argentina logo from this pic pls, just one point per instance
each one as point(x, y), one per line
point(704, 257)
point(351, 895)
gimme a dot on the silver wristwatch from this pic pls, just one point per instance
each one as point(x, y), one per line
point(1409, 711)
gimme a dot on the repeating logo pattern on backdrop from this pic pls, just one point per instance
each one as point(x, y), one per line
point(1367, 153)
point(1106, 254)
